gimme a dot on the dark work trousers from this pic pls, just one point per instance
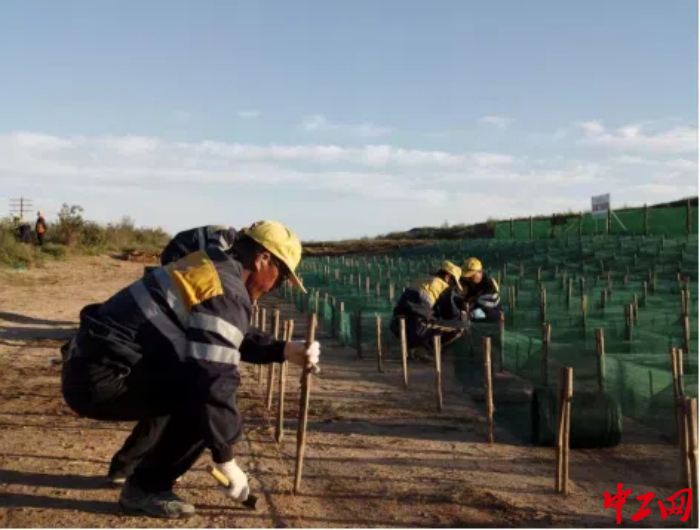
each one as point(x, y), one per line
point(140, 442)
point(418, 335)
point(110, 391)
point(40, 239)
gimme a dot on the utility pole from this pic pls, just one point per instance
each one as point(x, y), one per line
point(20, 206)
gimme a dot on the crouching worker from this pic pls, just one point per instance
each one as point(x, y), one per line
point(197, 239)
point(169, 345)
point(147, 431)
point(481, 296)
point(423, 317)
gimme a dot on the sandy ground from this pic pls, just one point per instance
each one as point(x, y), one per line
point(377, 455)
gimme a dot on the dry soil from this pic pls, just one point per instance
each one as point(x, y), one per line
point(377, 455)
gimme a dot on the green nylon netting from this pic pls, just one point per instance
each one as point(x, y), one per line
point(637, 362)
point(672, 222)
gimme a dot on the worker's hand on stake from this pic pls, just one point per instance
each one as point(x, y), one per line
point(238, 489)
point(297, 353)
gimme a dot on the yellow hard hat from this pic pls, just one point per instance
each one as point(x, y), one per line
point(453, 270)
point(471, 267)
point(281, 242)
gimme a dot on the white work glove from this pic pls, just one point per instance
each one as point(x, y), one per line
point(297, 353)
point(478, 314)
point(238, 489)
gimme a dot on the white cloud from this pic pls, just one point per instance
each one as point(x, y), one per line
point(319, 123)
point(638, 137)
point(248, 114)
point(502, 122)
point(592, 127)
point(670, 164)
point(380, 184)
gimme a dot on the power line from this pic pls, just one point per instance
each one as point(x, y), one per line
point(21, 206)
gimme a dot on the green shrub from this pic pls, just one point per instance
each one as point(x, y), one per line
point(71, 233)
point(14, 253)
point(55, 250)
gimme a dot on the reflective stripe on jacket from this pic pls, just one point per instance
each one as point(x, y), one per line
point(194, 311)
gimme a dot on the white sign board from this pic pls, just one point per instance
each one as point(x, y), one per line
point(600, 204)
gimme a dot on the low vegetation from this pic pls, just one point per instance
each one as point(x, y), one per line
point(71, 234)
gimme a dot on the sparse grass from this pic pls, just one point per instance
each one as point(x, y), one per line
point(72, 235)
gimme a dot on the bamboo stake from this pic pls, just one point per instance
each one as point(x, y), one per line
point(488, 385)
point(279, 432)
point(686, 335)
point(437, 350)
point(628, 323)
point(502, 341)
point(358, 334)
point(271, 366)
point(600, 351)
point(378, 318)
point(263, 321)
point(567, 395)
point(404, 350)
point(676, 393)
point(559, 477)
point(511, 291)
point(341, 312)
point(584, 311)
point(684, 443)
point(544, 368)
point(304, 406)
point(543, 304)
point(684, 305)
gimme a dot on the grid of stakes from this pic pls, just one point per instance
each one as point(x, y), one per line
point(610, 307)
point(635, 308)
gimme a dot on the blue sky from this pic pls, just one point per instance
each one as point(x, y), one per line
point(345, 119)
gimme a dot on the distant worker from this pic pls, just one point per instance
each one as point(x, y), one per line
point(169, 345)
point(423, 319)
point(24, 231)
point(197, 239)
point(40, 228)
point(481, 295)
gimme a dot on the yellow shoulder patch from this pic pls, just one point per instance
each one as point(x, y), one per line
point(195, 278)
point(431, 287)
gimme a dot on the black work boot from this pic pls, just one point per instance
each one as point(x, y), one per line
point(163, 505)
